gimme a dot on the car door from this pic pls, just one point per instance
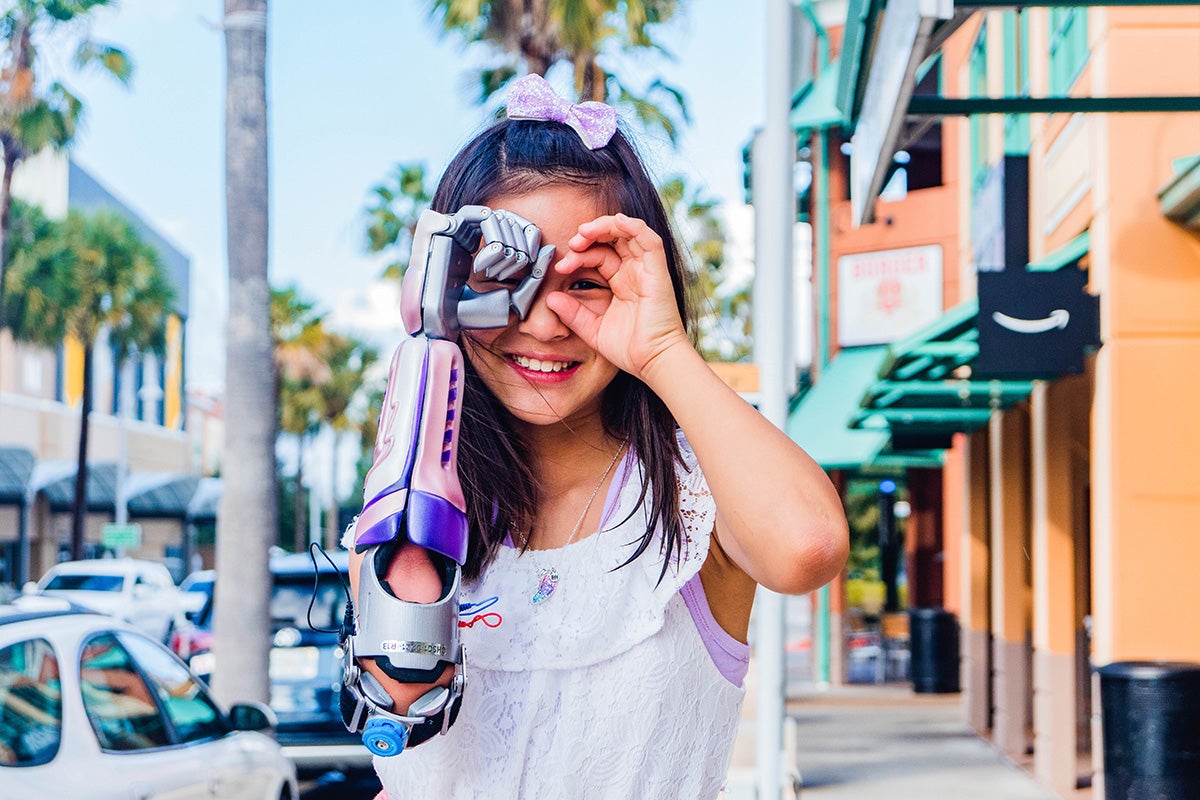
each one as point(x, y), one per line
point(135, 737)
point(239, 765)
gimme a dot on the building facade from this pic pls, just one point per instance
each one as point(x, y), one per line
point(1053, 515)
point(40, 396)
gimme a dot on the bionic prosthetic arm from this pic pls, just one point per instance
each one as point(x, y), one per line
point(412, 493)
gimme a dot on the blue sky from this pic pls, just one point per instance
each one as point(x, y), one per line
point(352, 91)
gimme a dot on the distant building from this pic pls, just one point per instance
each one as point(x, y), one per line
point(40, 393)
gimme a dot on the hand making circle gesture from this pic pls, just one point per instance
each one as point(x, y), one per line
point(642, 321)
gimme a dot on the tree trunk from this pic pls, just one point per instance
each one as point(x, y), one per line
point(331, 514)
point(79, 511)
point(299, 528)
point(589, 78)
point(247, 516)
point(10, 163)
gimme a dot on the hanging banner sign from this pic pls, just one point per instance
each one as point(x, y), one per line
point(887, 295)
point(1035, 324)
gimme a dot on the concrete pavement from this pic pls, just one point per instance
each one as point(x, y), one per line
point(867, 742)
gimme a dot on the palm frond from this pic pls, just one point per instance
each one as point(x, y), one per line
point(111, 59)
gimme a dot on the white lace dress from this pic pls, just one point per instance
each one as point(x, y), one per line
point(603, 690)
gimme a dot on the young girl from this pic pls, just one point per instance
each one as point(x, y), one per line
point(623, 502)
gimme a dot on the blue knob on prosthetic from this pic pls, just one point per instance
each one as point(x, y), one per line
point(383, 737)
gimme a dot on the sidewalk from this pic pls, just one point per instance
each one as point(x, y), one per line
point(866, 742)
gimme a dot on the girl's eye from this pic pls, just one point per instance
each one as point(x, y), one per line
point(586, 285)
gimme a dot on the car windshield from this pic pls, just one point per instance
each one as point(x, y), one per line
point(291, 596)
point(86, 583)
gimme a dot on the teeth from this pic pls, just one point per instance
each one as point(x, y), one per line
point(540, 366)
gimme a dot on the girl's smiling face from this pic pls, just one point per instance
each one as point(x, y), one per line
point(537, 367)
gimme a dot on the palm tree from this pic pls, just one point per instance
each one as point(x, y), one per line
point(246, 520)
point(349, 360)
point(535, 35)
point(93, 273)
point(393, 214)
point(33, 116)
point(724, 320)
point(299, 336)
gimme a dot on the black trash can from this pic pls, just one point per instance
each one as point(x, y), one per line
point(933, 650)
point(1151, 727)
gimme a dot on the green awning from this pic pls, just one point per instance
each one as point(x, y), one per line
point(162, 495)
point(816, 109)
point(820, 423)
point(203, 505)
point(1069, 253)
point(1180, 198)
point(925, 392)
point(100, 490)
point(16, 465)
point(938, 349)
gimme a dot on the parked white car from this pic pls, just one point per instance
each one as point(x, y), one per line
point(92, 707)
point(137, 591)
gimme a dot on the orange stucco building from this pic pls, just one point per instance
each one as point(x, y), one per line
point(1059, 509)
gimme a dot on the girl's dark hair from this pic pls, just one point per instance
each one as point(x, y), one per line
point(516, 157)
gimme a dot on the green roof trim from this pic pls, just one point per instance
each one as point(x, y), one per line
point(817, 109)
point(820, 423)
point(861, 16)
point(1180, 198)
point(935, 351)
point(921, 390)
point(1069, 253)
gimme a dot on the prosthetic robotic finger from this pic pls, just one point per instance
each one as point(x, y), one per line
point(413, 495)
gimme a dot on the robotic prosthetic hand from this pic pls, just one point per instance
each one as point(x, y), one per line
point(412, 492)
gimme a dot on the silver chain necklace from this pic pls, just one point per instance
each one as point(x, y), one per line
point(548, 577)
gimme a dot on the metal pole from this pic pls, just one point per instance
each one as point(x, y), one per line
point(774, 202)
point(124, 406)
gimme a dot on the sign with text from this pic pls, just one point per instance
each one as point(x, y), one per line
point(116, 537)
point(887, 295)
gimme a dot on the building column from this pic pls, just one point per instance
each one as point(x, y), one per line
point(1053, 554)
point(923, 542)
point(1009, 462)
point(975, 584)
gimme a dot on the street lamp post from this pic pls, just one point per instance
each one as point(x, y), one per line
point(149, 393)
point(124, 409)
point(774, 207)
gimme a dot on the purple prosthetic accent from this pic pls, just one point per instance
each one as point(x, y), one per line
point(425, 502)
point(380, 521)
point(435, 524)
point(397, 442)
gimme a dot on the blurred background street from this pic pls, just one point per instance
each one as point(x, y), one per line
point(951, 247)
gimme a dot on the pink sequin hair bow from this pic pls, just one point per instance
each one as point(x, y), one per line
point(532, 97)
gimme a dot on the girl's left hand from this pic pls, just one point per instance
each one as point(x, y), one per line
point(642, 321)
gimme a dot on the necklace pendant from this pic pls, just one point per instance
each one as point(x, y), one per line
point(548, 581)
